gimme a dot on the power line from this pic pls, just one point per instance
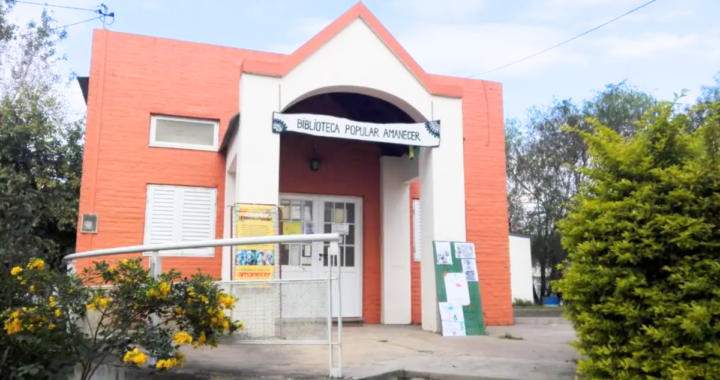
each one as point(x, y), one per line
point(564, 42)
point(56, 6)
point(64, 26)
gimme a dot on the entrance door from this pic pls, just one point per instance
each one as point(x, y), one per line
point(317, 214)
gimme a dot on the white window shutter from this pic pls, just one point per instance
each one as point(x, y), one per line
point(180, 214)
point(198, 217)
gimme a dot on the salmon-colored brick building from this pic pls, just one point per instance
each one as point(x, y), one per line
point(179, 132)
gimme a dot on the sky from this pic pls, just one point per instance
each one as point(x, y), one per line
point(663, 48)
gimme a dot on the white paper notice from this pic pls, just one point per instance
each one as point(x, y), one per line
point(450, 312)
point(453, 328)
point(456, 289)
point(465, 250)
point(444, 253)
point(296, 212)
point(470, 269)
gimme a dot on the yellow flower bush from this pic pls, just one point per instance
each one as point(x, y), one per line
point(119, 298)
point(182, 337)
point(135, 357)
point(36, 264)
point(166, 364)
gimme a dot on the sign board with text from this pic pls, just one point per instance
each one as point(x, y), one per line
point(425, 134)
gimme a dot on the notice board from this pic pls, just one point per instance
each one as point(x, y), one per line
point(458, 288)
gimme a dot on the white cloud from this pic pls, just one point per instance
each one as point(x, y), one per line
point(464, 50)
point(659, 45)
point(439, 9)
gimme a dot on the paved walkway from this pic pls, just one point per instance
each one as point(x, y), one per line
point(541, 354)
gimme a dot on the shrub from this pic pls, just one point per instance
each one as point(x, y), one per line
point(641, 285)
point(58, 321)
point(518, 302)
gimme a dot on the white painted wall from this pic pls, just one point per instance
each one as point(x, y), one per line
point(442, 190)
point(395, 173)
point(357, 60)
point(225, 266)
point(521, 269)
point(258, 159)
point(356, 57)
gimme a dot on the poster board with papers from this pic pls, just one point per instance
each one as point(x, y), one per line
point(458, 288)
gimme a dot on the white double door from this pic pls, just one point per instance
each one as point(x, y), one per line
point(300, 213)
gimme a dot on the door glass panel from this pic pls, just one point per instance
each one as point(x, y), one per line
point(349, 257)
point(292, 215)
point(350, 238)
point(339, 213)
point(328, 212)
point(328, 228)
point(284, 254)
point(326, 250)
point(350, 212)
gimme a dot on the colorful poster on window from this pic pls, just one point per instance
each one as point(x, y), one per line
point(256, 261)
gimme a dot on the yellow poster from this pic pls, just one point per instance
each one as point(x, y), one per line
point(256, 261)
point(253, 272)
point(292, 228)
point(256, 221)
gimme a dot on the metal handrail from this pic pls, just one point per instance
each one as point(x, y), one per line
point(278, 239)
point(156, 269)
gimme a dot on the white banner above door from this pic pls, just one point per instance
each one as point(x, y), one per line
point(425, 134)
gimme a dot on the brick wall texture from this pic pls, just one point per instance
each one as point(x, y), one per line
point(133, 77)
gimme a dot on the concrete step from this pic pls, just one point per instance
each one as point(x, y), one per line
point(541, 321)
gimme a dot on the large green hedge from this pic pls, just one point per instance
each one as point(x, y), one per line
point(642, 281)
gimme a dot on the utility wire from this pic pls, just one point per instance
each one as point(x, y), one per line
point(64, 26)
point(56, 6)
point(564, 42)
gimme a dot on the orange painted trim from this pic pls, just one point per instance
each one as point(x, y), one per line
point(358, 11)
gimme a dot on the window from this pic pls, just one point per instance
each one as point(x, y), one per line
point(175, 132)
point(180, 214)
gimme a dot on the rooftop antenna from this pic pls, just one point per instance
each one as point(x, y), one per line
point(104, 14)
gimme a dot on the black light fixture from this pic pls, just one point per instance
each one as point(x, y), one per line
point(315, 160)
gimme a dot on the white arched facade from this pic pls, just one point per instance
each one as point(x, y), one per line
point(356, 60)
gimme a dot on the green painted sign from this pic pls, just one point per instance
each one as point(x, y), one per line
point(457, 285)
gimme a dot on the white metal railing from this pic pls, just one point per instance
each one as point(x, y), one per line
point(156, 269)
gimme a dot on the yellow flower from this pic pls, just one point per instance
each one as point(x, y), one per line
point(226, 325)
point(181, 337)
point(52, 302)
point(15, 314)
point(32, 288)
point(201, 339)
point(178, 310)
point(36, 264)
point(51, 326)
point(13, 326)
point(166, 363)
point(227, 301)
point(135, 356)
point(204, 299)
point(91, 306)
point(58, 312)
point(164, 288)
point(111, 270)
point(152, 293)
point(213, 320)
point(103, 302)
point(16, 271)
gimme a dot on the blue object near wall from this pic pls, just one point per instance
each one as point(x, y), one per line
point(551, 301)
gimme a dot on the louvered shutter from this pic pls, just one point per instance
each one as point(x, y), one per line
point(197, 221)
point(177, 214)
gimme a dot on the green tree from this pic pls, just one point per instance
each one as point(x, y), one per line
point(40, 149)
point(545, 162)
point(643, 272)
